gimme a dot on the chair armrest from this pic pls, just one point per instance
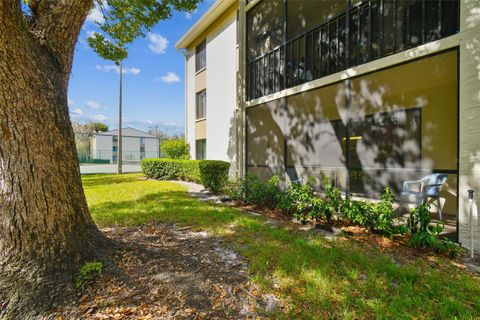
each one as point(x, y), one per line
point(407, 184)
point(438, 185)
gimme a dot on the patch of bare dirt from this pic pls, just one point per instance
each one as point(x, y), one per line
point(166, 272)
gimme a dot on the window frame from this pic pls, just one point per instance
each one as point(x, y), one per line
point(203, 149)
point(201, 103)
point(201, 56)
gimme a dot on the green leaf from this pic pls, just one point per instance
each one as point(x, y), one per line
point(127, 20)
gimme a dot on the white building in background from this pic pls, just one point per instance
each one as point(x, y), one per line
point(137, 145)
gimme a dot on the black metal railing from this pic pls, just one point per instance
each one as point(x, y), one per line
point(368, 31)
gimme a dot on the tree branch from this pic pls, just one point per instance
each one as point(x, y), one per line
point(56, 25)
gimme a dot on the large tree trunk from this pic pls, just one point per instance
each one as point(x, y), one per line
point(46, 231)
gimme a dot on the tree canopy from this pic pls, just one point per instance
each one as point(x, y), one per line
point(127, 20)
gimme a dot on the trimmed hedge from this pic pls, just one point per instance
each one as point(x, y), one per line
point(213, 174)
point(172, 169)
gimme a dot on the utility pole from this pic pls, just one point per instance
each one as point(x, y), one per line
point(119, 148)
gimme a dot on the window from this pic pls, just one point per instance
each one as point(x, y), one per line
point(142, 140)
point(201, 149)
point(115, 148)
point(201, 56)
point(201, 105)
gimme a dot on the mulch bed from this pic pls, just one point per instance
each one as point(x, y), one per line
point(397, 248)
point(162, 271)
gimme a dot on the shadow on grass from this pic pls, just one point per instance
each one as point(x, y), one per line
point(319, 278)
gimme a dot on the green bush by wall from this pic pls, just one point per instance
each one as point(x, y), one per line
point(213, 174)
point(175, 149)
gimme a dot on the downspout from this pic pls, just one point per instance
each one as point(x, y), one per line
point(241, 134)
point(185, 55)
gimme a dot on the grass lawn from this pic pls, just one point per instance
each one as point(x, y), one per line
point(317, 278)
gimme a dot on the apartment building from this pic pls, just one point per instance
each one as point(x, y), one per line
point(136, 144)
point(210, 94)
point(370, 93)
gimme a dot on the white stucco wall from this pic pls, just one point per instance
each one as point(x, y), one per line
point(151, 148)
point(131, 148)
point(221, 90)
point(103, 147)
point(469, 162)
point(190, 103)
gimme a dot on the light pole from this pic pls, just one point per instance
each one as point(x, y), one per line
point(119, 148)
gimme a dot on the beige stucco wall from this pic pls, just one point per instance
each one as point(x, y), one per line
point(200, 81)
point(469, 161)
point(201, 129)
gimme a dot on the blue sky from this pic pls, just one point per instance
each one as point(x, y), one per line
point(153, 81)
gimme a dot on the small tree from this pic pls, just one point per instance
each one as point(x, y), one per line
point(175, 149)
point(99, 127)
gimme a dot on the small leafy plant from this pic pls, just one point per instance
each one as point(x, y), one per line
point(88, 273)
point(381, 217)
point(254, 191)
point(356, 211)
point(424, 234)
point(297, 200)
point(333, 201)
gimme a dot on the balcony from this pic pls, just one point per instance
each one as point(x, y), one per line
point(366, 31)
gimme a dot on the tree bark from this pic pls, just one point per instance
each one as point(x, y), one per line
point(46, 232)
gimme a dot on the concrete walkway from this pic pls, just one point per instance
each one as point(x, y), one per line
point(109, 168)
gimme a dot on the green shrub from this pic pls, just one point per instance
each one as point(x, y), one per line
point(171, 169)
point(334, 195)
point(356, 211)
point(88, 273)
point(255, 191)
point(333, 201)
point(175, 149)
point(214, 174)
point(233, 189)
point(211, 173)
point(300, 198)
point(424, 234)
point(377, 217)
point(261, 193)
point(380, 219)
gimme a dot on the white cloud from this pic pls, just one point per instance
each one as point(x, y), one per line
point(189, 15)
point(95, 15)
point(90, 33)
point(99, 117)
point(71, 102)
point(112, 67)
point(170, 77)
point(76, 112)
point(157, 43)
point(94, 105)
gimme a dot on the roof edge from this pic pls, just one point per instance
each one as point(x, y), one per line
point(218, 8)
